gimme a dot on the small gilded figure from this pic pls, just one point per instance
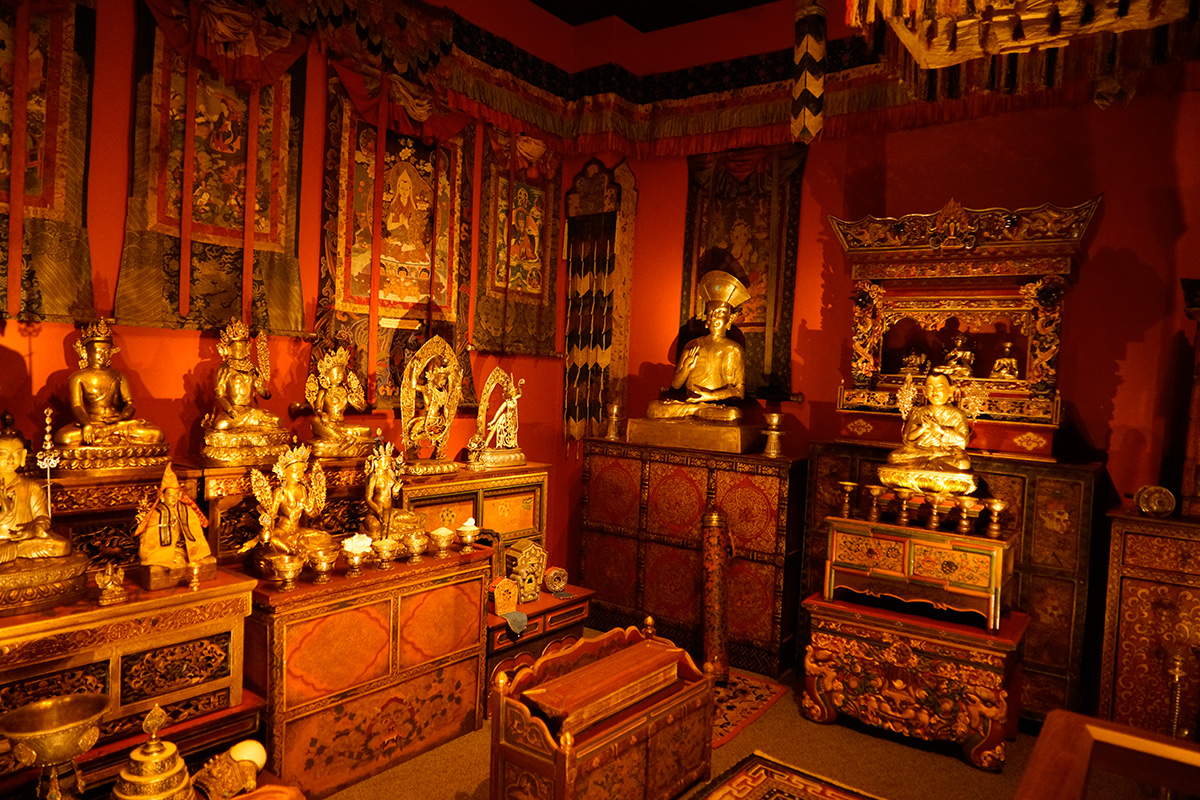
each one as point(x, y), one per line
point(383, 489)
point(24, 513)
point(101, 404)
point(935, 434)
point(283, 510)
point(914, 361)
point(495, 441)
point(330, 391)
point(237, 430)
point(712, 368)
point(1005, 366)
point(171, 534)
point(960, 361)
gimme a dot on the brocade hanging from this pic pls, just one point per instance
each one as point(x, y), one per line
point(518, 246)
point(214, 189)
point(54, 76)
point(423, 240)
point(744, 217)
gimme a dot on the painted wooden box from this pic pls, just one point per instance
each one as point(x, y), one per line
point(1152, 624)
point(642, 745)
point(1052, 506)
point(361, 673)
point(640, 547)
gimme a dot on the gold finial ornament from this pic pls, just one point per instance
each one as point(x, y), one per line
point(155, 770)
point(329, 392)
point(495, 441)
point(104, 433)
point(236, 431)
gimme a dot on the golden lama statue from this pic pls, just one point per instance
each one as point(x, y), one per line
point(237, 431)
point(283, 511)
point(37, 566)
point(330, 391)
point(434, 375)
point(104, 433)
point(712, 368)
point(932, 456)
point(171, 537)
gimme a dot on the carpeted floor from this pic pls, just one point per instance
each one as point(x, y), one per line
point(736, 704)
point(873, 762)
point(760, 777)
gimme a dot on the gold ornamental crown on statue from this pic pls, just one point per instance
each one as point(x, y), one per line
point(331, 359)
point(98, 331)
point(235, 331)
point(297, 455)
point(718, 286)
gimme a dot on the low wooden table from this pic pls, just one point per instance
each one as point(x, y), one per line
point(931, 680)
point(552, 620)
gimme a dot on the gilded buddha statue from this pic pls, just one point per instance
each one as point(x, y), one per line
point(236, 430)
point(932, 455)
point(285, 508)
point(329, 392)
point(104, 433)
point(38, 567)
point(1005, 366)
point(712, 368)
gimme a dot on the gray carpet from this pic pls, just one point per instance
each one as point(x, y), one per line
point(856, 756)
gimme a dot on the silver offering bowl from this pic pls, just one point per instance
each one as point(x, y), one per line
point(467, 534)
point(51, 733)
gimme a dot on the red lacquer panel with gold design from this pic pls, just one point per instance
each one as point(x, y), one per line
point(673, 584)
point(344, 743)
point(613, 488)
point(751, 600)
point(512, 512)
point(449, 512)
point(751, 507)
point(609, 566)
point(1056, 523)
point(439, 622)
point(321, 660)
point(676, 501)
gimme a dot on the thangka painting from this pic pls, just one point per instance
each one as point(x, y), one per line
point(515, 298)
point(148, 286)
point(423, 247)
point(744, 218)
point(53, 75)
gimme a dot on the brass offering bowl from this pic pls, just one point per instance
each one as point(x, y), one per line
point(416, 541)
point(354, 560)
point(50, 733)
point(467, 534)
point(322, 561)
point(287, 567)
point(385, 551)
point(442, 539)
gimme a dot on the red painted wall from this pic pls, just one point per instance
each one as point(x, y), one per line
point(1127, 346)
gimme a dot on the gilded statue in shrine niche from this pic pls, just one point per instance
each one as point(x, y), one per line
point(236, 430)
point(712, 368)
point(104, 433)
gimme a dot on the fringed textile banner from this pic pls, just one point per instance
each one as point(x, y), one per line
point(424, 247)
point(744, 218)
point(601, 206)
point(808, 91)
point(216, 274)
point(44, 107)
point(518, 246)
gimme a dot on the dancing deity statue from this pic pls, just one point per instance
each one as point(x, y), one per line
point(433, 375)
point(104, 433)
point(284, 509)
point(495, 441)
point(171, 536)
point(329, 392)
point(237, 430)
point(712, 368)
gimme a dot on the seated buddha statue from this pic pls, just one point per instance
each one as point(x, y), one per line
point(935, 434)
point(712, 368)
point(101, 404)
point(329, 392)
point(237, 430)
point(24, 514)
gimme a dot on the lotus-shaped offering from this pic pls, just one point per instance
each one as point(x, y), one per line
point(442, 538)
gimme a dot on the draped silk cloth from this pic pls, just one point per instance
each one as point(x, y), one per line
point(44, 107)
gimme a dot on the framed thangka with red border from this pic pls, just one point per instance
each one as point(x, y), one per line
point(744, 218)
point(148, 286)
point(50, 80)
point(419, 236)
point(518, 246)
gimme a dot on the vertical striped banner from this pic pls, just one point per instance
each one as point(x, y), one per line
point(808, 87)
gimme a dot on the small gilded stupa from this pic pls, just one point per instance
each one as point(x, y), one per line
point(155, 771)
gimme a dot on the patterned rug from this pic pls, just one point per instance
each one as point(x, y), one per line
point(760, 777)
point(740, 702)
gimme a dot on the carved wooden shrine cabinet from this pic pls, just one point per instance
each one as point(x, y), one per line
point(642, 510)
point(977, 293)
point(361, 673)
point(177, 648)
point(622, 715)
point(1150, 670)
point(1049, 519)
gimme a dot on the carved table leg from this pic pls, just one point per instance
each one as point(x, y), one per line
point(818, 675)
